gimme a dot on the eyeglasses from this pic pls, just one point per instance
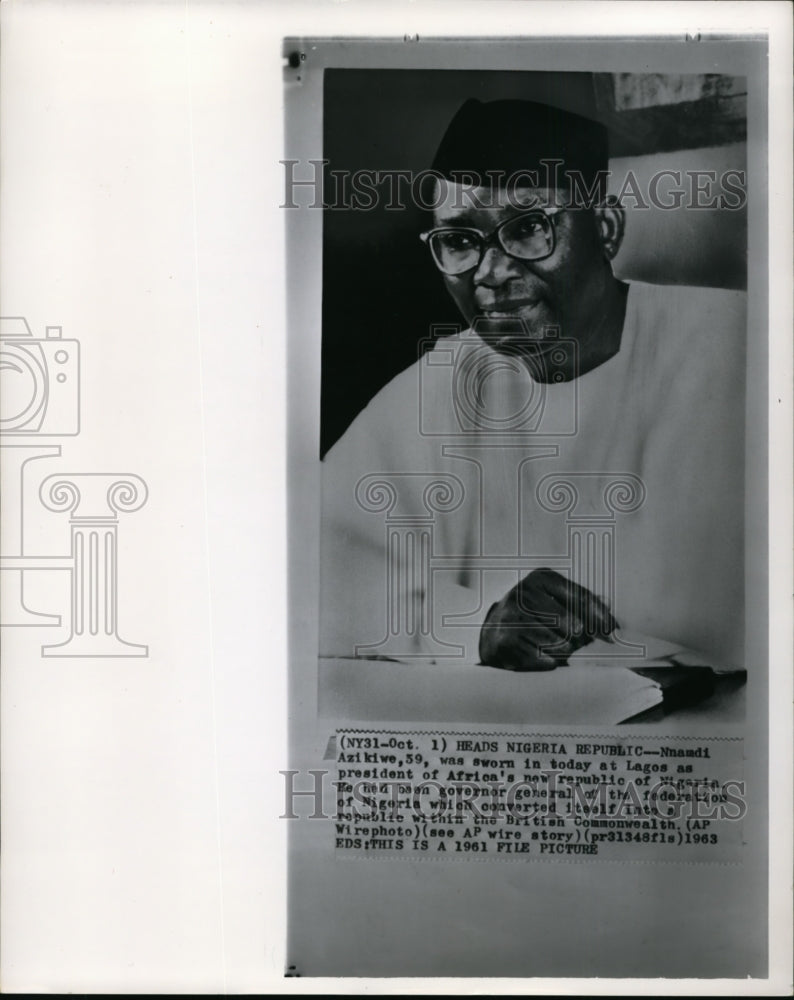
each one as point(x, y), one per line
point(528, 236)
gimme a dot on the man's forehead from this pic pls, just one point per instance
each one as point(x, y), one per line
point(455, 201)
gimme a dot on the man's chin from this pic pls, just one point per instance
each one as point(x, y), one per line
point(543, 354)
point(512, 334)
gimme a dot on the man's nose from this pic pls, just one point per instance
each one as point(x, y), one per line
point(496, 267)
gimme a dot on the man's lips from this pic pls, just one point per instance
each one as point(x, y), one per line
point(508, 310)
point(510, 321)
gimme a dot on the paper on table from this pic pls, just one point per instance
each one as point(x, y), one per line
point(588, 691)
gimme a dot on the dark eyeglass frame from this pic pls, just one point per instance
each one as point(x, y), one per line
point(494, 237)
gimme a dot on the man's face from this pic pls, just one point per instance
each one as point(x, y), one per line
point(515, 301)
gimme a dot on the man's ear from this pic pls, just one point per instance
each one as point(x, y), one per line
point(611, 222)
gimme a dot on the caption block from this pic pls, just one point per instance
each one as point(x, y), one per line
point(483, 796)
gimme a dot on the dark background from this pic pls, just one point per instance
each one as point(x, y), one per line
point(381, 292)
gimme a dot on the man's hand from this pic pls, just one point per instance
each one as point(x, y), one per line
point(541, 621)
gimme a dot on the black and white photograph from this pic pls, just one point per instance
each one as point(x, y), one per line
point(535, 331)
point(397, 523)
point(537, 454)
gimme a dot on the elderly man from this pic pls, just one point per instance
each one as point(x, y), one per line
point(568, 467)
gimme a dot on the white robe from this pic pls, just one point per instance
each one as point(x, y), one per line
point(410, 570)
